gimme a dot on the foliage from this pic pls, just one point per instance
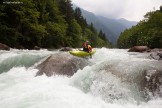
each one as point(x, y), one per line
point(46, 23)
point(147, 32)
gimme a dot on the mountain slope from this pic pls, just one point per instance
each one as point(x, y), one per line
point(114, 26)
point(126, 23)
point(111, 27)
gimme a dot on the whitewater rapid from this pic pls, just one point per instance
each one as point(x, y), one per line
point(108, 82)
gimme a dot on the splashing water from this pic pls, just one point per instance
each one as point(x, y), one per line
point(111, 81)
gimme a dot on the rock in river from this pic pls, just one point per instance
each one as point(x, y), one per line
point(4, 47)
point(139, 49)
point(61, 64)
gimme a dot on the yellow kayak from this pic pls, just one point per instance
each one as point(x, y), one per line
point(81, 53)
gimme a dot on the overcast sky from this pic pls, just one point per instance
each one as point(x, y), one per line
point(132, 10)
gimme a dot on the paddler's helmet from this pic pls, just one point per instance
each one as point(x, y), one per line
point(87, 42)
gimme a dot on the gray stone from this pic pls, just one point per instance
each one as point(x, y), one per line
point(61, 64)
point(139, 49)
point(4, 47)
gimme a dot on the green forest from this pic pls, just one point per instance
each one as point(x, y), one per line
point(47, 24)
point(147, 32)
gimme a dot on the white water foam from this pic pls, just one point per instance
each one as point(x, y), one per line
point(20, 89)
point(16, 58)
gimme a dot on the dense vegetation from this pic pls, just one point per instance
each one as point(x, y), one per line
point(47, 24)
point(147, 32)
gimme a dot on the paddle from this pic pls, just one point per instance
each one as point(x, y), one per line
point(90, 54)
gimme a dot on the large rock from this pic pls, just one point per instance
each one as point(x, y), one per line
point(4, 47)
point(36, 48)
point(66, 49)
point(160, 55)
point(139, 49)
point(61, 64)
point(156, 50)
point(152, 83)
point(156, 54)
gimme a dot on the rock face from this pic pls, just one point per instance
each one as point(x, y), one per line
point(36, 48)
point(156, 54)
point(61, 64)
point(152, 83)
point(66, 49)
point(4, 47)
point(139, 49)
point(160, 55)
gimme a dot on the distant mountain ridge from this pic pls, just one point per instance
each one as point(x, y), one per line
point(111, 27)
point(127, 23)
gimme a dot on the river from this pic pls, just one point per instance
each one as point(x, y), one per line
point(112, 80)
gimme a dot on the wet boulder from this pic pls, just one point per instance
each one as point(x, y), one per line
point(36, 48)
point(156, 50)
point(156, 56)
point(152, 83)
point(61, 64)
point(4, 47)
point(160, 55)
point(139, 49)
point(66, 49)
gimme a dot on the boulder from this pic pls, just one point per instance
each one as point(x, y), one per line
point(139, 49)
point(36, 48)
point(66, 49)
point(156, 56)
point(156, 50)
point(61, 64)
point(152, 83)
point(160, 55)
point(4, 47)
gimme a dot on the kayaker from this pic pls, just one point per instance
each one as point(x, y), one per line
point(87, 47)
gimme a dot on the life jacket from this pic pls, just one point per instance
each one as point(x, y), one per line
point(86, 47)
point(90, 48)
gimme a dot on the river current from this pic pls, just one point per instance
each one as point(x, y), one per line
point(112, 80)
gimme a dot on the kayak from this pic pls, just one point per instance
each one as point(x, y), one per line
point(81, 53)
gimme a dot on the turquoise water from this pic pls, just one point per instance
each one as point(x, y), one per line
point(109, 82)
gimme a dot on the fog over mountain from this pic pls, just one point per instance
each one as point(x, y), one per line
point(132, 10)
point(111, 27)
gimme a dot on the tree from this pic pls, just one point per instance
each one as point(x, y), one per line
point(80, 19)
point(66, 9)
point(146, 32)
point(74, 34)
point(45, 23)
point(102, 35)
point(55, 37)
